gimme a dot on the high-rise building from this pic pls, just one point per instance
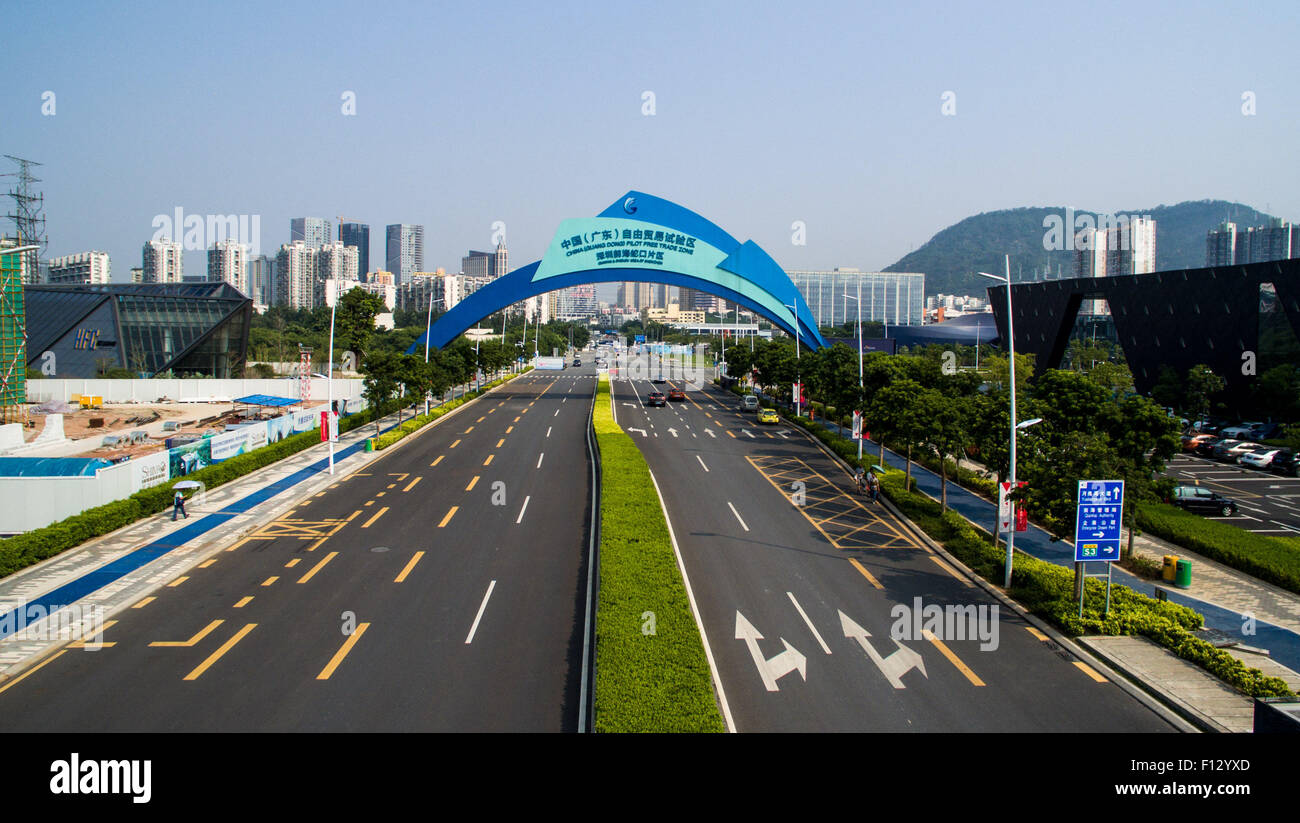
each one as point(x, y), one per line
point(405, 250)
point(137, 274)
point(313, 231)
point(261, 278)
point(1221, 245)
point(1275, 240)
point(575, 303)
point(228, 263)
point(357, 234)
point(78, 269)
point(490, 264)
point(295, 276)
point(163, 262)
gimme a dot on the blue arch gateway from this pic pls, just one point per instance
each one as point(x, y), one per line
point(643, 238)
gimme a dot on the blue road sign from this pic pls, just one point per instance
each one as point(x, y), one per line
point(1097, 524)
point(640, 338)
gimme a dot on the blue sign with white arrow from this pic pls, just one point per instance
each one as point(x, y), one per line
point(1097, 524)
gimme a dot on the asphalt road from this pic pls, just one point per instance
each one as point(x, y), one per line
point(403, 598)
point(774, 546)
point(1267, 503)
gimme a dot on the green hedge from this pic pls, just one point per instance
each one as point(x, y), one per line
point(651, 671)
point(1274, 559)
point(418, 422)
point(32, 547)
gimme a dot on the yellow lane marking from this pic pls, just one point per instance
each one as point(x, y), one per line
point(865, 573)
point(509, 429)
point(244, 602)
point(489, 459)
point(470, 429)
point(472, 483)
point(730, 433)
point(450, 514)
point(391, 485)
point(523, 411)
point(453, 445)
point(437, 461)
point(375, 517)
point(211, 627)
point(342, 652)
point(225, 647)
point(1090, 671)
point(501, 442)
point(368, 503)
point(143, 603)
point(270, 581)
point(207, 563)
point(1037, 633)
point(481, 419)
point(32, 670)
point(327, 558)
point(246, 539)
point(411, 485)
point(81, 644)
point(380, 494)
point(409, 566)
point(353, 515)
point(320, 494)
point(177, 582)
point(516, 420)
point(952, 571)
point(293, 563)
point(502, 403)
point(952, 658)
point(491, 411)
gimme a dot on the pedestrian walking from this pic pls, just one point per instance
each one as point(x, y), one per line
point(873, 486)
point(178, 506)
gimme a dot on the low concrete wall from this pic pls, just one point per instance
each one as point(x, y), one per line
point(180, 391)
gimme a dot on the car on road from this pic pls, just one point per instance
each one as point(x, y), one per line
point(577, 361)
point(768, 416)
point(1203, 501)
point(655, 398)
point(676, 395)
point(749, 403)
point(659, 380)
point(1258, 459)
point(1285, 462)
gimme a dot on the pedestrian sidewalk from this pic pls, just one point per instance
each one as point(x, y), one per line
point(1225, 596)
point(113, 571)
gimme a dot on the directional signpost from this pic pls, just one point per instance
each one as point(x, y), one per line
point(1097, 527)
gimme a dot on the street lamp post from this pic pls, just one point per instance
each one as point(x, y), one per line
point(428, 324)
point(798, 373)
point(1011, 349)
point(329, 391)
point(861, 385)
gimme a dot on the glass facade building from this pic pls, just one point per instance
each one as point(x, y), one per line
point(894, 298)
point(182, 330)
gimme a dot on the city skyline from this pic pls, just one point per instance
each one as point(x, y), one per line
point(927, 130)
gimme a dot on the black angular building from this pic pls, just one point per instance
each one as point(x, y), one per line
point(152, 329)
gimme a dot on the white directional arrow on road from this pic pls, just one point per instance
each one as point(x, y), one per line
point(710, 433)
point(672, 431)
point(643, 434)
point(625, 403)
point(893, 667)
point(747, 432)
point(779, 666)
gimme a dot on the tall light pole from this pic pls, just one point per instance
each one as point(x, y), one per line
point(1011, 349)
point(861, 385)
point(329, 391)
point(428, 324)
point(798, 373)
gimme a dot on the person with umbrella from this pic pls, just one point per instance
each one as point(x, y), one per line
point(178, 500)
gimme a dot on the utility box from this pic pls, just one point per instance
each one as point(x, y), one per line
point(1183, 578)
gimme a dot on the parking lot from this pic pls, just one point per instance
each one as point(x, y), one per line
point(1267, 503)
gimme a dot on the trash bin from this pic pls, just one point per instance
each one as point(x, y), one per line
point(1169, 571)
point(370, 444)
point(1184, 578)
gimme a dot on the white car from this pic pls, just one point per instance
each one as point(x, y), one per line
point(1259, 459)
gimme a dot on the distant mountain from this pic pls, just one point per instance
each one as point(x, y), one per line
point(951, 258)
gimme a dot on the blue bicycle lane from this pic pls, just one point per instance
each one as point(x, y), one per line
point(1283, 643)
point(55, 599)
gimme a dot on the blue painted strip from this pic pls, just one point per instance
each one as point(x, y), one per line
point(1283, 643)
point(15, 620)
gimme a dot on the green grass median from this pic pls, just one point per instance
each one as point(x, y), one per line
point(651, 671)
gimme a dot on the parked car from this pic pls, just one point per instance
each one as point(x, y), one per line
point(1221, 446)
point(1239, 432)
point(1232, 453)
point(1265, 430)
point(1258, 459)
point(1191, 441)
point(1206, 447)
point(1285, 462)
point(1203, 501)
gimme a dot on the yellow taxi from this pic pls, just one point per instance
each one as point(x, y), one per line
point(768, 416)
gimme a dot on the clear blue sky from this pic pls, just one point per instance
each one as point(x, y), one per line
point(470, 113)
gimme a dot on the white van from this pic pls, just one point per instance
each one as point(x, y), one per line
point(749, 403)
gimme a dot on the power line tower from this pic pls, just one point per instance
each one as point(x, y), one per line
point(28, 216)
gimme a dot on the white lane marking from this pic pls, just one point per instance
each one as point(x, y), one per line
point(701, 459)
point(479, 616)
point(557, 413)
point(695, 610)
point(539, 459)
point(520, 518)
point(811, 627)
point(737, 514)
point(548, 431)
